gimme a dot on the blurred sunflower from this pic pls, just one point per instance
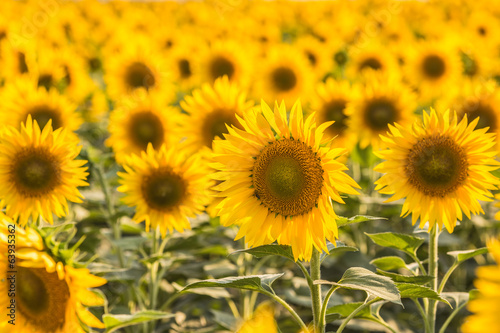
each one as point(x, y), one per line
point(368, 58)
point(432, 67)
point(486, 307)
point(185, 66)
point(226, 58)
point(330, 103)
point(383, 100)
point(23, 98)
point(39, 172)
point(318, 60)
point(285, 75)
point(278, 180)
point(262, 320)
point(139, 121)
point(51, 296)
point(165, 187)
point(441, 166)
point(211, 109)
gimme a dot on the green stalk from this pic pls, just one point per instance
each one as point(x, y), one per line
point(355, 312)
point(433, 271)
point(315, 273)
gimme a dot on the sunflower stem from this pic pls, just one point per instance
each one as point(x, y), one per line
point(315, 273)
point(433, 271)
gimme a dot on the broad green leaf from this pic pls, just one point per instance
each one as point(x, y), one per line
point(261, 283)
point(216, 293)
point(115, 322)
point(409, 290)
point(225, 320)
point(343, 221)
point(337, 248)
point(467, 254)
point(417, 279)
point(403, 242)
point(388, 263)
point(460, 297)
point(359, 278)
point(269, 250)
point(344, 310)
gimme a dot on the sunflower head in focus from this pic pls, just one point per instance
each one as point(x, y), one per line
point(441, 166)
point(211, 109)
point(279, 180)
point(382, 101)
point(486, 307)
point(39, 172)
point(165, 187)
point(22, 98)
point(51, 296)
point(286, 75)
point(139, 121)
point(330, 104)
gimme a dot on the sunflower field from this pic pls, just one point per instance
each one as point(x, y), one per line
point(249, 166)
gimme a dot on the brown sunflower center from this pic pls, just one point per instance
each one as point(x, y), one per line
point(139, 75)
point(284, 78)
point(340, 58)
point(312, 58)
point(436, 165)
point(221, 66)
point(334, 110)
point(42, 298)
point(482, 30)
point(288, 177)
point(379, 113)
point(371, 62)
point(433, 66)
point(184, 68)
point(486, 114)
point(46, 81)
point(43, 113)
point(95, 64)
point(21, 60)
point(144, 128)
point(163, 189)
point(35, 172)
point(215, 125)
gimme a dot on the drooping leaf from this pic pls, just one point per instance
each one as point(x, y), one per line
point(416, 279)
point(467, 254)
point(337, 248)
point(261, 283)
point(359, 278)
point(115, 322)
point(269, 250)
point(410, 290)
point(343, 221)
point(388, 263)
point(403, 242)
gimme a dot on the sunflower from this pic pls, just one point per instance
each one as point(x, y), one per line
point(482, 29)
point(39, 172)
point(50, 296)
point(383, 100)
point(278, 180)
point(318, 60)
point(432, 67)
point(211, 109)
point(184, 65)
point(226, 59)
point(165, 187)
point(286, 75)
point(262, 320)
point(330, 103)
point(486, 308)
point(441, 166)
point(136, 66)
point(22, 98)
point(139, 121)
point(366, 57)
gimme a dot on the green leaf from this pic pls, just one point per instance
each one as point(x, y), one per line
point(337, 248)
point(403, 242)
point(269, 250)
point(114, 322)
point(409, 290)
point(359, 278)
point(389, 263)
point(473, 294)
point(344, 310)
point(418, 279)
point(261, 283)
point(467, 254)
point(343, 221)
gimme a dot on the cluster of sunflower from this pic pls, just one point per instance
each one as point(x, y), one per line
point(245, 111)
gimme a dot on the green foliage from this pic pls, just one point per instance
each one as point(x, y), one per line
point(116, 322)
point(389, 263)
point(461, 256)
point(260, 283)
point(410, 290)
point(406, 243)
